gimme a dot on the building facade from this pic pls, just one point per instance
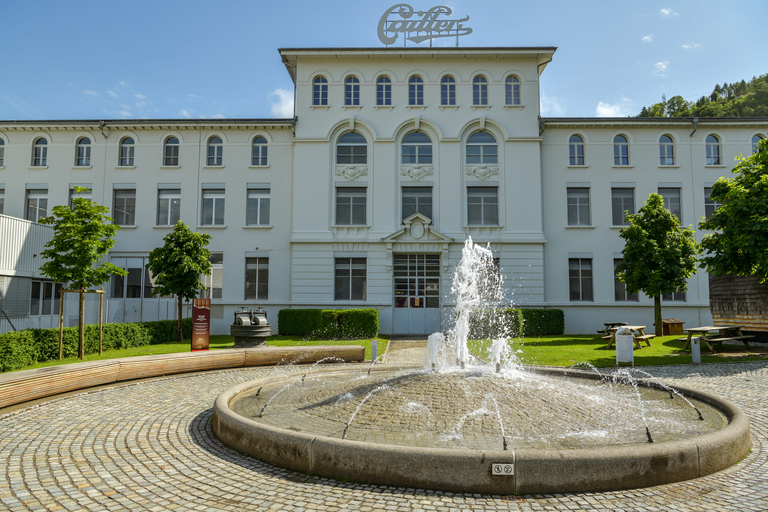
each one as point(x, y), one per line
point(365, 198)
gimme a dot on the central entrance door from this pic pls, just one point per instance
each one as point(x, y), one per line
point(417, 293)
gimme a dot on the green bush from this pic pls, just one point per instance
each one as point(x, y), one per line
point(328, 324)
point(513, 322)
point(541, 322)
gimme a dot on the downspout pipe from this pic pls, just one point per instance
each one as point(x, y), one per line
point(695, 122)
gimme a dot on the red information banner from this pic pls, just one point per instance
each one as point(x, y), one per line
point(201, 323)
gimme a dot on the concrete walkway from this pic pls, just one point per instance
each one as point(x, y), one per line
point(405, 352)
point(148, 446)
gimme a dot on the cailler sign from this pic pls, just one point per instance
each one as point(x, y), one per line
point(425, 25)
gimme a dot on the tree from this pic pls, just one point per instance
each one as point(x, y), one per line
point(178, 265)
point(659, 256)
point(82, 235)
point(740, 242)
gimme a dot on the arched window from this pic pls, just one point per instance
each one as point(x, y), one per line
point(713, 150)
point(171, 152)
point(620, 150)
point(320, 91)
point(479, 91)
point(576, 150)
point(415, 91)
point(755, 145)
point(127, 147)
point(352, 148)
point(83, 152)
point(482, 149)
point(666, 150)
point(417, 148)
point(259, 151)
point(40, 153)
point(383, 91)
point(2, 152)
point(512, 90)
point(448, 91)
point(215, 151)
point(352, 91)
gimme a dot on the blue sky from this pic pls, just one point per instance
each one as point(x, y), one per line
point(137, 59)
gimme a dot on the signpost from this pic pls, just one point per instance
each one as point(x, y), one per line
point(201, 323)
point(425, 25)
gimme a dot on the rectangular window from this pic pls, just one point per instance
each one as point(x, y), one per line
point(137, 284)
point(124, 209)
point(213, 207)
point(417, 280)
point(73, 194)
point(417, 199)
point(620, 288)
point(383, 92)
point(37, 204)
point(126, 154)
point(257, 278)
point(580, 279)
point(622, 203)
point(351, 206)
point(2, 199)
point(677, 296)
point(672, 201)
point(168, 206)
point(447, 92)
point(2, 153)
point(257, 207)
point(482, 206)
point(213, 282)
point(44, 298)
point(350, 279)
point(578, 207)
point(710, 205)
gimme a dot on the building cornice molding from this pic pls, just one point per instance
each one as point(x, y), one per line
point(627, 122)
point(148, 124)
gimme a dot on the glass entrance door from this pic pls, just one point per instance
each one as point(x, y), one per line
point(416, 293)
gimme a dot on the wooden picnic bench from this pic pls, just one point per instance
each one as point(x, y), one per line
point(609, 326)
point(717, 334)
point(638, 336)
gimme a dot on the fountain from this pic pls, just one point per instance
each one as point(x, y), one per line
point(458, 424)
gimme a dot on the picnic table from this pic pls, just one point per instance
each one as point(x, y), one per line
point(605, 331)
point(638, 335)
point(717, 334)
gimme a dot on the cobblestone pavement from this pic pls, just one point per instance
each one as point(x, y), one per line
point(149, 446)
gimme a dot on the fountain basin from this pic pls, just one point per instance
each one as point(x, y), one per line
point(523, 470)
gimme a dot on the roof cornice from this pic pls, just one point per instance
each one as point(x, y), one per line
point(146, 124)
point(612, 122)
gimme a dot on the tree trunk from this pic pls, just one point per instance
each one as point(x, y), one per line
point(180, 338)
point(657, 316)
point(81, 324)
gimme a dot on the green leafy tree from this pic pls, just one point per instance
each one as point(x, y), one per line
point(82, 235)
point(659, 256)
point(740, 242)
point(178, 265)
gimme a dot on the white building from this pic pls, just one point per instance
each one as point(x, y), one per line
point(394, 158)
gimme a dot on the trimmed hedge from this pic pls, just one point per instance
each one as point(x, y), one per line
point(514, 322)
point(30, 346)
point(328, 324)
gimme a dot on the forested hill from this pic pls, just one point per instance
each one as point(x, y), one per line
point(741, 99)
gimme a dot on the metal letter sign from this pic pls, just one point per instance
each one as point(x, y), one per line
point(428, 27)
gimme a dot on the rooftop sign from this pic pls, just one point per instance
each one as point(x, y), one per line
point(425, 25)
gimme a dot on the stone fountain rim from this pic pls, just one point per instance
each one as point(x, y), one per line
point(593, 469)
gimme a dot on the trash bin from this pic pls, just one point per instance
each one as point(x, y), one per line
point(696, 350)
point(625, 346)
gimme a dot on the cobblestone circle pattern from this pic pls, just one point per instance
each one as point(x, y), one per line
point(149, 446)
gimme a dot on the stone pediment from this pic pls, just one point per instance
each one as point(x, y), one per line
point(417, 235)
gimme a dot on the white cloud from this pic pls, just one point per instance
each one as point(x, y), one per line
point(282, 103)
point(691, 46)
point(139, 96)
point(90, 93)
point(622, 108)
point(551, 106)
point(660, 68)
point(648, 38)
point(112, 93)
point(668, 13)
point(185, 113)
point(193, 97)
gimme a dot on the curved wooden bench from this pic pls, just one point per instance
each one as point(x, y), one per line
point(25, 385)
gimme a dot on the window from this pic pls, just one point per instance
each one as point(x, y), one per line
point(168, 206)
point(482, 149)
point(257, 278)
point(83, 152)
point(37, 204)
point(417, 200)
point(320, 91)
point(351, 206)
point(676, 296)
point(137, 284)
point(447, 91)
point(620, 150)
point(127, 149)
point(576, 150)
point(580, 279)
point(44, 298)
point(666, 150)
point(417, 280)
point(74, 194)
point(352, 91)
point(215, 152)
point(171, 152)
point(713, 150)
point(578, 206)
point(755, 146)
point(482, 206)
point(620, 288)
point(2, 199)
point(259, 151)
point(352, 148)
point(350, 279)
point(124, 209)
point(257, 207)
point(710, 205)
point(417, 148)
point(383, 91)
point(213, 282)
point(512, 91)
point(415, 91)
point(672, 201)
point(213, 207)
point(479, 91)
point(2, 152)
point(622, 203)
point(40, 153)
